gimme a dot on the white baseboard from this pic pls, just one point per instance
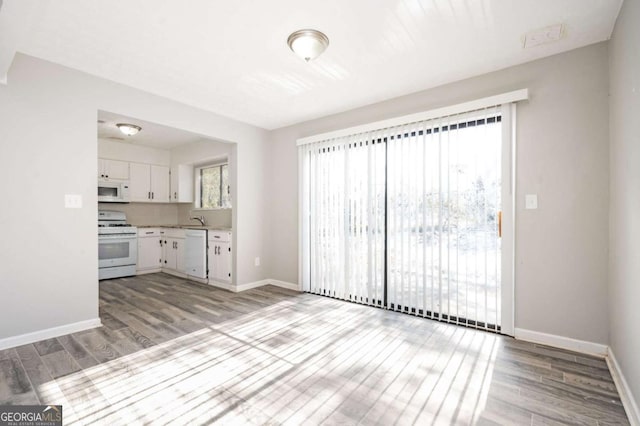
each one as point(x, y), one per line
point(284, 284)
point(256, 284)
point(249, 286)
point(149, 271)
point(24, 339)
point(562, 342)
point(629, 402)
point(224, 286)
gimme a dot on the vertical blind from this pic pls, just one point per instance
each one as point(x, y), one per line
point(407, 218)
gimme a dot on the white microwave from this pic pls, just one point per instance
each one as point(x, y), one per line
point(113, 192)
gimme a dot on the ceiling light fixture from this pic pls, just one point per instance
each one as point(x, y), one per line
point(308, 44)
point(128, 129)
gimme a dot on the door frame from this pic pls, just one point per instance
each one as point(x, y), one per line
point(507, 101)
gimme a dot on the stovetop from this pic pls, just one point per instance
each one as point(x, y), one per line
point(116, 228)
point(112, 222)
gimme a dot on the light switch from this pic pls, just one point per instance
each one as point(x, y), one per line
point(257, 261)
point(531, 201)
point(73, 201)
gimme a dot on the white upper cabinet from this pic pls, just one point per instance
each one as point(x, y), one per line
point(149, 183)
point(182, 184)
point(113, 169)
point(159, 184)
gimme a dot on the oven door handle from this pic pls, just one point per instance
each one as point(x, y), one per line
point(117, 237)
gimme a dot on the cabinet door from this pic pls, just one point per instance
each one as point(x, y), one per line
point(140, 177)
point(169, 253)
point(223, 262)
point(160, 184)
point(101, 169)
point(116, 170)
point(179, 253)
point(175, 185)
point(149, 253)
point(182, 183)
point(211, 260)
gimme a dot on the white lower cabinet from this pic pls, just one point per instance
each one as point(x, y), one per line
point(149, 250)
point(173, 249)
point(220, 257)
point(190, 253)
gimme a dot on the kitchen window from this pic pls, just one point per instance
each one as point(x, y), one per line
point(212, 187)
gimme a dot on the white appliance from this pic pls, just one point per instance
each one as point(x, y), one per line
point(113, 192)
point(117, 245)
point(196, 253)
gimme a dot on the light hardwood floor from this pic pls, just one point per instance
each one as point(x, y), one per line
point(176, 352)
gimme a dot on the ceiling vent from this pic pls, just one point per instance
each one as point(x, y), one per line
point(543, 36)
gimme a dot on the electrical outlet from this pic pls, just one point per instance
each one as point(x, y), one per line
point(257, 261)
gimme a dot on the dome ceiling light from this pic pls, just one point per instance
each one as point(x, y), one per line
point(308, 44)
point(128, 129)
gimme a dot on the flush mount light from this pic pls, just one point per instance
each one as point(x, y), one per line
point(128, 129)
point(308, 44)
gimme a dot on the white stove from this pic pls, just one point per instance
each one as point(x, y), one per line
point(117, 245)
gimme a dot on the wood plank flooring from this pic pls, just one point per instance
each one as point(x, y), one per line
point(175, 352)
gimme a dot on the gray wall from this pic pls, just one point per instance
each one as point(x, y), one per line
point(624, 221)
point(561, 248)
point(48, 147)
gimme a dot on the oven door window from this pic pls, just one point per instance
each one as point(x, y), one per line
point(111, 252)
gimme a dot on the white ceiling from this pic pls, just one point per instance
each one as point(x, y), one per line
point(152, 134)
point(231, 57)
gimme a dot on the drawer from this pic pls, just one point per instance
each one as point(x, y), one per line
point(148, 232)
point(220, 236)
point(172, 232)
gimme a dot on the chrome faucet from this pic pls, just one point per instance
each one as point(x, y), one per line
point(199, 218)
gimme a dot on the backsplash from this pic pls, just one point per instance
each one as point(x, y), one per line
point(169, 214)
point(145, 213)
point(221, 218)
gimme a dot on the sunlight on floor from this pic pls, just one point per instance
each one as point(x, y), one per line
point(282, 364)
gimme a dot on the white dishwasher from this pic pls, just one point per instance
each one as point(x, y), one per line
point(195, 256)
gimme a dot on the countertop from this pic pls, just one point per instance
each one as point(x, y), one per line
point(207, 227)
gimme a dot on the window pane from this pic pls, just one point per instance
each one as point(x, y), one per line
point(226, 196)
point(210, 187)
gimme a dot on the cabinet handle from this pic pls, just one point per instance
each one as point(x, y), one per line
point(149, 195)
point(152, 195)
point(175, 195)
point(149, 232)
point(107, 176)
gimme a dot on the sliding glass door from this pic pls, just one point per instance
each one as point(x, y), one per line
point(347, 221)
point(443, 198)
point(409, 218)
